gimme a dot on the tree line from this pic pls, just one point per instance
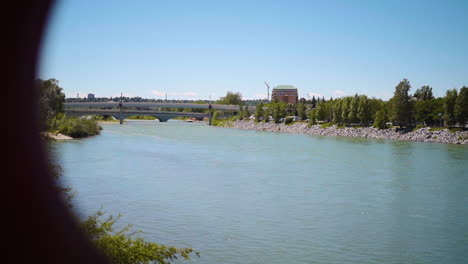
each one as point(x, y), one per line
point(403, 109)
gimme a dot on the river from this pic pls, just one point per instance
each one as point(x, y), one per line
point(242, 196)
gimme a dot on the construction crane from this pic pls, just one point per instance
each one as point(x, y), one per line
point(268, 91)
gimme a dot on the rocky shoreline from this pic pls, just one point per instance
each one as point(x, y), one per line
point(420, 135)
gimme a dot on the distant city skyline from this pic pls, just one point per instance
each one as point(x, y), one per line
point(201, 49)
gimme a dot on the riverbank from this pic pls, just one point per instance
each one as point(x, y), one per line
point(57, 136)
point(420, 135)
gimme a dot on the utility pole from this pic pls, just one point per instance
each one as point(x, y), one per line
point(210, 111)
point(166, 97)
point(121, 109)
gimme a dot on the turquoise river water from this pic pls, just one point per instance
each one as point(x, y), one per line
point(256, 197)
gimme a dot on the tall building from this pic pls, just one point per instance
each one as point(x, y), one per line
point(285, 93)
point(91, 97)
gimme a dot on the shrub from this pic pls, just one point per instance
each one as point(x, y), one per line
point(121, 245)
point(418, 127)
point(289, 120)
point(215, 118)
point(77, 127)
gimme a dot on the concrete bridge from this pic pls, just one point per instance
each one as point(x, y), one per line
point(121, 114)
point(152, 105)
point(143, 108)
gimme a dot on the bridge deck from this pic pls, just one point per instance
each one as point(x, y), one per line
point(152, 105)
point(163, 116)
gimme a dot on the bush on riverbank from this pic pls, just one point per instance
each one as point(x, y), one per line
point(120, 245)
point(215, 118)
point(289, 120)
point(75, 127)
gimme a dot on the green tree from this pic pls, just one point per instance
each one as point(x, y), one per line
point(258, 112)
point(425, 106)
point(424, 93)
point(290, 110)
point(423, 111)
point(322, 111)
point(246, 112)
point(337, 111)
point(266, 115)
point(301, 111)
point(364, 110)
point(230, 99)
point(402, 110)
point(345, 109)
point(278, 111)
point(314, 102)
point(381, 118)
point(376, 105)
point(449, 107)
point(437, 111)
point(51, 100)
point(428, 111)
point(353, 109)
point(461, 107)
point(312, 117)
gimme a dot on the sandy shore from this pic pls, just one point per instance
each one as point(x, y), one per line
point(57, 136)
point(420, 135)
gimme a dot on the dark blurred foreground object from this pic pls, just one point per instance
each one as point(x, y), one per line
point(38, 226)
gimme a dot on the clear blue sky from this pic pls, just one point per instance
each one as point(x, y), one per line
point(194, 49)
